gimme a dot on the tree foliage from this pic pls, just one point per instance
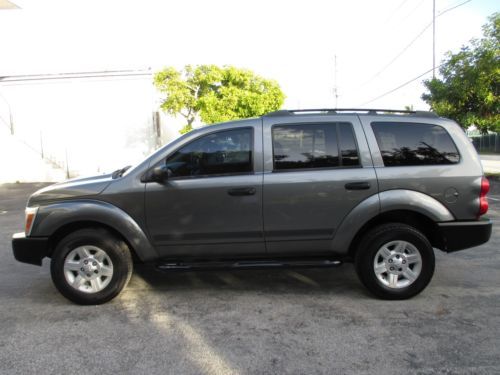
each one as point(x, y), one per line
point(215, 94)
point(469, 89)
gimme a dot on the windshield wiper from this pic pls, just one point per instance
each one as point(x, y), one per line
point(120, 172)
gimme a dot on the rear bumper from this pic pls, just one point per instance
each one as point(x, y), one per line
point(29, 249)
point(460, 235)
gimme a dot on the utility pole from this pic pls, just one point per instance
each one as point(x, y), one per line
point(433, 39)
point(335, 89)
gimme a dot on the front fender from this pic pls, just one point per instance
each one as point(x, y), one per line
point(54, 216)
point(386, 201)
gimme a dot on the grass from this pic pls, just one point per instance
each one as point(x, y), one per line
point(493, 175)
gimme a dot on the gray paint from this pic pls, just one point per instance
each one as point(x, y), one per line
point(76, 188)
point(292, 212)
point(392, 200)
point(56, 215)
point(296, 201)
point(434, 180)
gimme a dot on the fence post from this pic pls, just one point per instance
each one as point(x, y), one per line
point(41, 144)
point(67, 165)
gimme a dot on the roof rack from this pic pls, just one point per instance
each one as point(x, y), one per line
point(333, 111)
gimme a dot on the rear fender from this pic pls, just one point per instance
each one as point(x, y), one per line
point(386, 201)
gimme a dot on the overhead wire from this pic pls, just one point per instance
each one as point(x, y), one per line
point(400, 86)
point(404, 50)
point(411, 43)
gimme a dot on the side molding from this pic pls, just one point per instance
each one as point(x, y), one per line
point(389, 200)
point(52, 217)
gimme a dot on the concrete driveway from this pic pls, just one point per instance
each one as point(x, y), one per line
point(491, 163)
point(315, 321)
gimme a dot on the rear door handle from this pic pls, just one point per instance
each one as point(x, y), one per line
point(357, 185)
point(237, 192)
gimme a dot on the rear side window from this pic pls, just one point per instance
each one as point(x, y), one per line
point(309, 146)
point(414, 144)
point(220, 153)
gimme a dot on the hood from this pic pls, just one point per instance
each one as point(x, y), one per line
point(75, 188)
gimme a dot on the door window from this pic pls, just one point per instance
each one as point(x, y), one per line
point(220, 153)
point(309, 146)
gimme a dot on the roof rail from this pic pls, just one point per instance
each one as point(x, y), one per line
point(332, 111)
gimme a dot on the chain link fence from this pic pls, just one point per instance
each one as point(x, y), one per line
point(487, 143)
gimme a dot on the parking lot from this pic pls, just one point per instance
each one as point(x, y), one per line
point(313, 321)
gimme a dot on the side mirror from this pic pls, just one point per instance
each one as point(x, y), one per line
point(160, 173)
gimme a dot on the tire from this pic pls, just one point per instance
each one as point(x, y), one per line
point(395, 261)
point(91, 266)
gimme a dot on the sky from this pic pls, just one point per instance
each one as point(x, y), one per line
point(293, 42)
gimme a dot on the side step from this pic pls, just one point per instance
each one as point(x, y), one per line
point(246, 264)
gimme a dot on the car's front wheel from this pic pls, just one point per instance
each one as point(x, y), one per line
point(395, 261)
point(91, 266)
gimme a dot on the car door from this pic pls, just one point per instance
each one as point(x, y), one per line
point(211, 204)
point(317, 168)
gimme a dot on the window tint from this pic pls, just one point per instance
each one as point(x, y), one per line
point(305, 146)
point(350, 155)
point(414, 144)
point(226, 152)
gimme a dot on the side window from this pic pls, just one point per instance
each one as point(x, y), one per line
point(220, 153)
point(414, 144)
point(307, 146)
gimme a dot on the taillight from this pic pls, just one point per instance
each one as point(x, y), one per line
point(483, 201)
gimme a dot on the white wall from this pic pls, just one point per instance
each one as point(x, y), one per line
point(96, 125)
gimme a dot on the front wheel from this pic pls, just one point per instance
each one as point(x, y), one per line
point(91, 266)
point(395, 261)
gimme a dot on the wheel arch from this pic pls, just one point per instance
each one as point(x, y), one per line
point(66, 229)
point(399, 205)
point(419, 221)
point(56, 220)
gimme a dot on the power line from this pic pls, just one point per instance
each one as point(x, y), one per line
point(48, 77)
point(412, 42)
point(412, 11)
point(399, 87)
point(395, 11)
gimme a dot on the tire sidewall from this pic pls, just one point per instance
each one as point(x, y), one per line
point(113, 247)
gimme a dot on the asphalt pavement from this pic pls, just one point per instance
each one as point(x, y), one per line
point(314, 321)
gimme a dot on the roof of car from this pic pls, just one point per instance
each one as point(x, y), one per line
point(358, 111)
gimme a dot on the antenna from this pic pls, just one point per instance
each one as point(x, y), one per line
point(335, 89)
point(433, 39)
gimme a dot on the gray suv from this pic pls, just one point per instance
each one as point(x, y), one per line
point(298, 188)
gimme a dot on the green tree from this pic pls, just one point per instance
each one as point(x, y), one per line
point(216, 94)
point(469, 88)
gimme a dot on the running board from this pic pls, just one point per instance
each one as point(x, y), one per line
point(246, 264)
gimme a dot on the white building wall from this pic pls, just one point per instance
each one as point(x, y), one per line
point(92, 125)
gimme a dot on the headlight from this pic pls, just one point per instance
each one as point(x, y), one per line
point(29, 215)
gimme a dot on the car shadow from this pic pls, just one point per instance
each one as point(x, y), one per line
point(339, 279)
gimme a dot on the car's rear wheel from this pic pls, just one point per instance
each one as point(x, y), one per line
point(395, 261)
point(91, 266)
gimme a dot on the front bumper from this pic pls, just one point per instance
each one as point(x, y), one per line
point(460, 235)
point(29, 249)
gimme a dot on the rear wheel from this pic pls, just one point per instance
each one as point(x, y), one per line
point(91, 266)
point(395, 261)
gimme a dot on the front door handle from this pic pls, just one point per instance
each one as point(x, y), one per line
point(237, 192)
point(357, 185)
